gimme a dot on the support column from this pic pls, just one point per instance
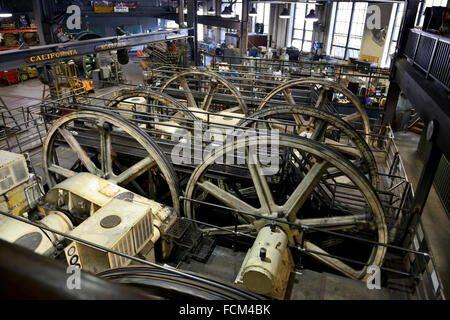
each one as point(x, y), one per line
point(181, 13)
point(408, 22)
point(218, 7)
point(192, 6)
point(426, 180)
point(44, 11)
point(244, 29)
point(391, 103)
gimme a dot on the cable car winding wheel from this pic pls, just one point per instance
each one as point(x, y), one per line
point(321, 92)
point(320, 126)
point(107, 145)
point(312, 186)
point(200, 88)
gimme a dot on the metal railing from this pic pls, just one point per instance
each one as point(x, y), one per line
point(430, 53)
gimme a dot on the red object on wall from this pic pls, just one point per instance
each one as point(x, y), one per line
point(9, 76)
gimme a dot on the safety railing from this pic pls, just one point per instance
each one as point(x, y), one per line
point(430, 53)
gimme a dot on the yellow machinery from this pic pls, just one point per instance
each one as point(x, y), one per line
point(19, 190)
point(110, 215)
point(268, 264)
point(117, 219)
point(75, 83)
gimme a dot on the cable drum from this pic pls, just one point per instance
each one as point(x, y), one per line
point(172, 286)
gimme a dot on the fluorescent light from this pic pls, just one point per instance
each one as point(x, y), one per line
point(4, 13)
point(285, 14)
point(253, 12)
point(211, 10)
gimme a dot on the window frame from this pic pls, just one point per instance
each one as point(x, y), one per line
point(349, 31)
point(304, 29)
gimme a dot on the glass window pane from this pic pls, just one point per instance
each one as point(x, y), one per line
point(308, 35)
point(354, 43)
point(297, 43)
point(337, 52)
point(298, 34)
point(307, 46)
point(352, 53)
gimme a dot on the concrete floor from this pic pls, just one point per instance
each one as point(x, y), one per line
point(434, 218)
point(305, 285)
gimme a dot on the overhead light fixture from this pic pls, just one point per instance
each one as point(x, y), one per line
point(253, 12)
point(227, 12)
point(312, 16)
point(285, 14)
point(211, 10)
point(5, 13)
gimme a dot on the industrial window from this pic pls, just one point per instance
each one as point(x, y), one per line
point(348, 29)
point(303, 29)
point(399, 11)
point(263, 15)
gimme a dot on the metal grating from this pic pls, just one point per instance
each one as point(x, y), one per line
point(125, 245)
point(178, 229)
point(440, 68)
point(441, 183)
point(424, 52)
point(411, 44)
point(431, 53)
point(442, 175)
point(142, 232)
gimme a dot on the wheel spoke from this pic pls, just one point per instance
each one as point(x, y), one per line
point(352, 117)
point(134, 171)
point(304, 189)
point(319, 129)
point(82, 155)
point(188, 93)
point(259, 181)
point(349, 151)
point(243, 228)
point(288, 96)
point(322, 99)
point(290, 99)
point(323, 256)
point(105, 150)
point(209, 97)
point(226, 198)
point(332, 221)
point(61, 171)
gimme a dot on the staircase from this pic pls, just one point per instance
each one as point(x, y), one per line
point(415, 124)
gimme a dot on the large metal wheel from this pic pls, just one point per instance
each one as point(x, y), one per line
point(200, 87)
point(320, 126)
point(110, 134)
point(157, 97)
point(168, 285)
point(304, 190)
point(318, 96)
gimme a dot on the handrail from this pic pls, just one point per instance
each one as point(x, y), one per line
point(431, 54)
